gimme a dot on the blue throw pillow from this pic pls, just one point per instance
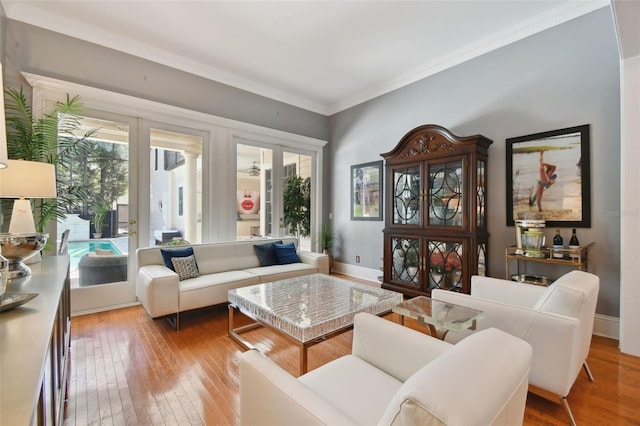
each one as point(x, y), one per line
point(267, 253)
point(286, 253)
point(168, 254)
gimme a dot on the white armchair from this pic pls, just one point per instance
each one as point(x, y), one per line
point(557, 321)
point(394, 376)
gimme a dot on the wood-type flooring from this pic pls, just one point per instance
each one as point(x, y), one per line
point(126, 369)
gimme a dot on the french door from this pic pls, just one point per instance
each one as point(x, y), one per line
point(128, 154)
point(103, 224)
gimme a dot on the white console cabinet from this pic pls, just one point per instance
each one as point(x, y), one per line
point(34, 347)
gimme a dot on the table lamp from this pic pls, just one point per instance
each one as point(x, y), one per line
point(3, 129)
point(24, 179)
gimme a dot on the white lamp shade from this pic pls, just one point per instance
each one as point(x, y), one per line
point(28, 179)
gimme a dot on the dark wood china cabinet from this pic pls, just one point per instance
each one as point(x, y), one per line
point(435, 232)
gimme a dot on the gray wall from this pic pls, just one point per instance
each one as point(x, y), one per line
point(35, 50)
point(565, 76)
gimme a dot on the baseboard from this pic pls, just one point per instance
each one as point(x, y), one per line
point(359, 272)
point(603, 325)
point(606, 326)
point(106, 308)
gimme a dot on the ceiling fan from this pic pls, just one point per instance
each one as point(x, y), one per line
point(253, 170)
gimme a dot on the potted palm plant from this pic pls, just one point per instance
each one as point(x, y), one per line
point(99, 217)
point(56, 138)
point(327, 238)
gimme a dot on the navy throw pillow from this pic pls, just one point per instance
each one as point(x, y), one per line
point(168, 254)
point(286, 253)
point(267, 253)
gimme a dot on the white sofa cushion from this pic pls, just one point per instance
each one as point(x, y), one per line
point(280, 272)
point(353, 386)
point(197, 292)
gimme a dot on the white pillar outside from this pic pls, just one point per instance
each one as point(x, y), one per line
point(190, 199)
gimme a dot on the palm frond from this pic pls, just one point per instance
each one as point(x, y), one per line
point(56, 139)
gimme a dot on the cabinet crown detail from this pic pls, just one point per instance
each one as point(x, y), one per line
point(431, 139)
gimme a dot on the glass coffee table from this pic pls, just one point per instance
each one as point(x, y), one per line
point(306, 310)
point(439, 317)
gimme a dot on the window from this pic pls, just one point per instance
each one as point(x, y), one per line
point(180, 201)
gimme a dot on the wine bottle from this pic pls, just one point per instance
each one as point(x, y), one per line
point(557, 245)
point(574, 245)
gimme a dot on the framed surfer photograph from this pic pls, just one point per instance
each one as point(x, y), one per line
point(549, 173)
point(366, 191)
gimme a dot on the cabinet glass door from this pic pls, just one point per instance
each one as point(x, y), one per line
point(444, 264)
point(481, 194)
point(446, 206)
point(405, 265)
point(406, 196)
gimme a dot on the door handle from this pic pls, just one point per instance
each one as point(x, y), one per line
point(131, 233)
point(132, 222)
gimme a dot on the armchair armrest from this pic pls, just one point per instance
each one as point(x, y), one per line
point(506, 291)
point(319, 260)
point(271, 396)
point(382, 343)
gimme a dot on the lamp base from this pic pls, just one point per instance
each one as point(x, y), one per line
point(18, 269)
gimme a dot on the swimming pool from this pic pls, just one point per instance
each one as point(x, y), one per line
point(77, 249)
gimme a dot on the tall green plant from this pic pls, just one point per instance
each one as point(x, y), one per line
point(297, 205)
point(327, 237)
point(55, 138)
point(100, 215)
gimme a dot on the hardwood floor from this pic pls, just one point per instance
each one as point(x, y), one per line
point(126, 369)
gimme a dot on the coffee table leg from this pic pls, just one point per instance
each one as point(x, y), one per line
point(303, 359)
point(234, 332)
point(230, 320)
point(433, 330)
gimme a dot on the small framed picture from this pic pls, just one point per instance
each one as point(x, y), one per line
point(549, 173)
point(366, 191)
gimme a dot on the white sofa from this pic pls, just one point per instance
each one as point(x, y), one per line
point(394, 376)
point(221, 266)
point(557, 321)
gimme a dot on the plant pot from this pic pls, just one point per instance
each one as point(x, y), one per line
point(328, 253)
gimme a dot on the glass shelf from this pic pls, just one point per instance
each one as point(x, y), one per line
point(576, 258)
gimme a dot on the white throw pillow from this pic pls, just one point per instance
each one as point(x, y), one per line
point(103, 252)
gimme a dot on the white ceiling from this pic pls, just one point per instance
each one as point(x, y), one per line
point(324, 56)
